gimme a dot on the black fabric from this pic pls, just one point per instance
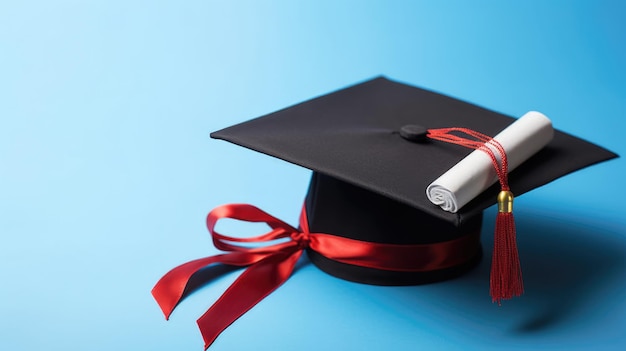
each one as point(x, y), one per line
point(353, 135)
point(372, 276)
point(342, 209)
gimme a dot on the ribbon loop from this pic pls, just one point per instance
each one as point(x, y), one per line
point(247, 213)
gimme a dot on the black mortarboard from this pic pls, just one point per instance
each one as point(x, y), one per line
point(366, 215)
point(369, 178)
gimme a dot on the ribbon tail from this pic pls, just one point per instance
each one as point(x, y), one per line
point(252, 286)
point(169, 290)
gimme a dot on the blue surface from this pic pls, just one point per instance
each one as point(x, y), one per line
point(107, 171)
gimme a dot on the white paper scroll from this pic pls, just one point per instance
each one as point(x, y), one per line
point(475, 173)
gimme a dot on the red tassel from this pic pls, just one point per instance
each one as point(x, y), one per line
point(506, 272)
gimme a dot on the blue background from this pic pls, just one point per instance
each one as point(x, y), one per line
point(107, 170)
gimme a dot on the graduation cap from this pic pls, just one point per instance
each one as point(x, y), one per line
point(367, 216)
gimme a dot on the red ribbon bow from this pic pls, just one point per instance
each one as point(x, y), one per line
point(270, 266)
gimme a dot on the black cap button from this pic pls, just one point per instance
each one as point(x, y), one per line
point(414, 133)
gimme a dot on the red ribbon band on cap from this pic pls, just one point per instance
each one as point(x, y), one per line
point(270, 266)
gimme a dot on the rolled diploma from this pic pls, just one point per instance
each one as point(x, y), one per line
point(475, 173)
